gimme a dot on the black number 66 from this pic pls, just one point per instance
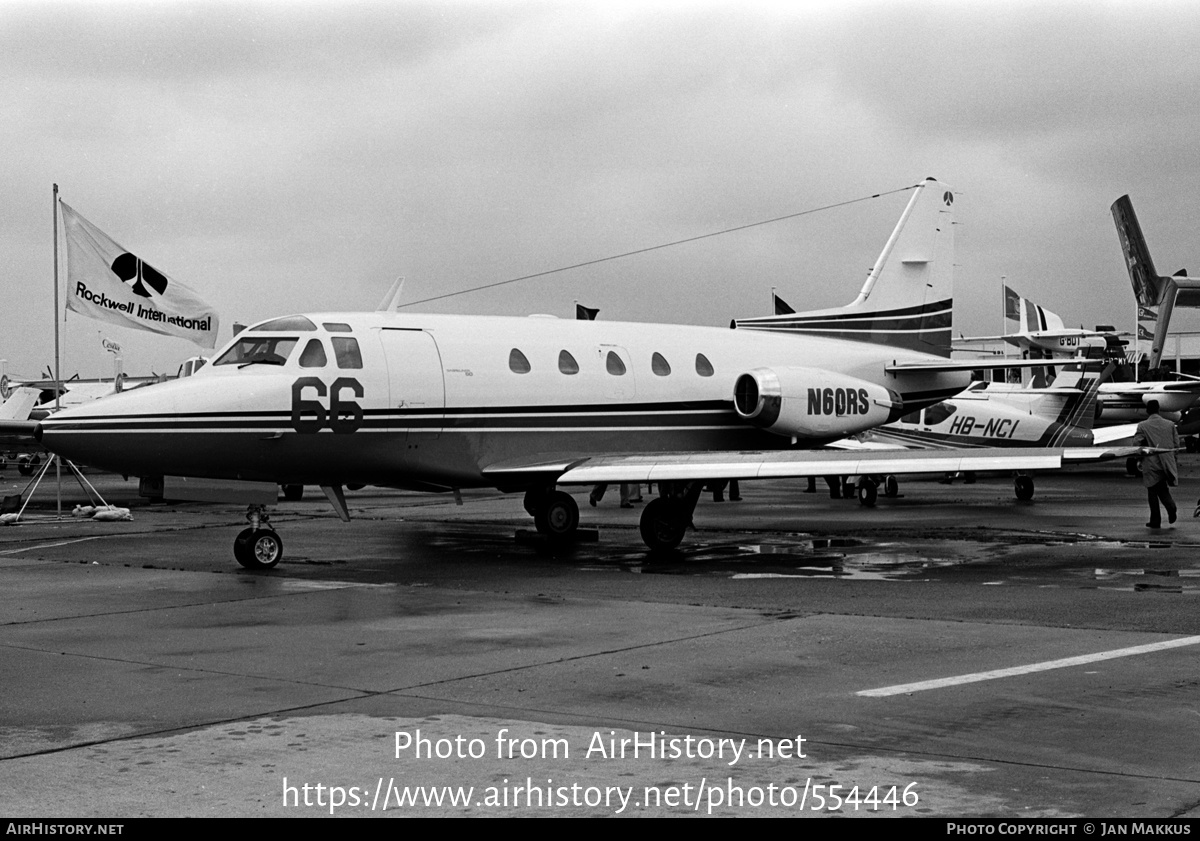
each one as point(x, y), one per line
point(342, 416)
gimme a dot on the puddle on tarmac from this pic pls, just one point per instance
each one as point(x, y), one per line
point(856, 559)
point(802, 558)
point(1039, 559)
point(1149, 580)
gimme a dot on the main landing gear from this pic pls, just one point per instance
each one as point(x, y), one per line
point(868, 488)
point(260, 546)
point(1023, 487)
point(555, 513)
point(666, 518)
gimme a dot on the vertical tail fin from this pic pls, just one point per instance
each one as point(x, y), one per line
point(907, 299)
point(19, 404)
point(1149, 287)
point(1078, 413)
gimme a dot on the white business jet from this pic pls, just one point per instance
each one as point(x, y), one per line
point(443, 402)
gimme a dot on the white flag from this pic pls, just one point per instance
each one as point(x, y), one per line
point(107, 282)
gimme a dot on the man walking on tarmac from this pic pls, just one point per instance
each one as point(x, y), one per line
point(1159, 470)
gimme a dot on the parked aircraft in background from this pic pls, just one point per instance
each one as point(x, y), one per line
point(16, 409)
point(441, 402)
point(1151, 289)
point(1001, 415)
point(1041, 334)
point(19, 403)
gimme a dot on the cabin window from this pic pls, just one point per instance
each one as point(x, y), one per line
point(266, 350)
point(703, 367)
point(346, 352)
point(288, 322)
point(936, 414)
point(314, 355)
point(517, 363)
point(659, 365)
point(336, 327)
point(614, 364)
point(912, 417)
point(567, 363)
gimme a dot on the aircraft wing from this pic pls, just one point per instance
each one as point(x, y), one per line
point(1075, 455)
point(1178, 385)
point(773, 464)
point(1112, 434)
point(16, 430)
point(19, 404)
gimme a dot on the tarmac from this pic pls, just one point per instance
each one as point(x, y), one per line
point(951, 652)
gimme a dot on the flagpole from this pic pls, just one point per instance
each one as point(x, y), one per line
point(1003, 322)
point(57, 370)
point(1003, 310)
point(1137, 339)
point(57, 373)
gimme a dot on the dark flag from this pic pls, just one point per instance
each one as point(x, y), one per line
point(781, 307)
point(1012, 304)
point(1146, 314)
point(583, 313)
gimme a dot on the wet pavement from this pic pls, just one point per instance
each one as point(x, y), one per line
point(1026, 658)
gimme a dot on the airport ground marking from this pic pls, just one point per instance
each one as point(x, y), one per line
point(60, 543)
point(1066, 662)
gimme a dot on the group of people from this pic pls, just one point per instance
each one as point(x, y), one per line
point(631, 492)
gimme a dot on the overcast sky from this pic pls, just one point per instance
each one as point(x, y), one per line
point(284, 157)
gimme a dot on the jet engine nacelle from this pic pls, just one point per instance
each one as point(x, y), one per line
point(809, 403)
point(1170, 401)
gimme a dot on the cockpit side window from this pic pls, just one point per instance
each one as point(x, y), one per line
point(336, 326)
point(314, 355)
point(346, 352)
point(251, 350)
point(936, 414)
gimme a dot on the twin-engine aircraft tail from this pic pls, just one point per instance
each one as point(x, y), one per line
point(908, 297)
point(1078, 413)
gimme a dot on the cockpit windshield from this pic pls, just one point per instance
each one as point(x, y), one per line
point(253, 350)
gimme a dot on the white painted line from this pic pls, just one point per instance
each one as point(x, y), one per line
point(52, 545)
point(1066, 662)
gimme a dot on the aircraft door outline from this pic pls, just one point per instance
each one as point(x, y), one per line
point(416, 382)
point(620, 375)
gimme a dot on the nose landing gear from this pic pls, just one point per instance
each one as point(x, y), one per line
point(260, 546)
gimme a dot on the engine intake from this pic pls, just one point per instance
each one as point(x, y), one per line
point(810, 403)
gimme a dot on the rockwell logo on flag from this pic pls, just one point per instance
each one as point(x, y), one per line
point(107, 282)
